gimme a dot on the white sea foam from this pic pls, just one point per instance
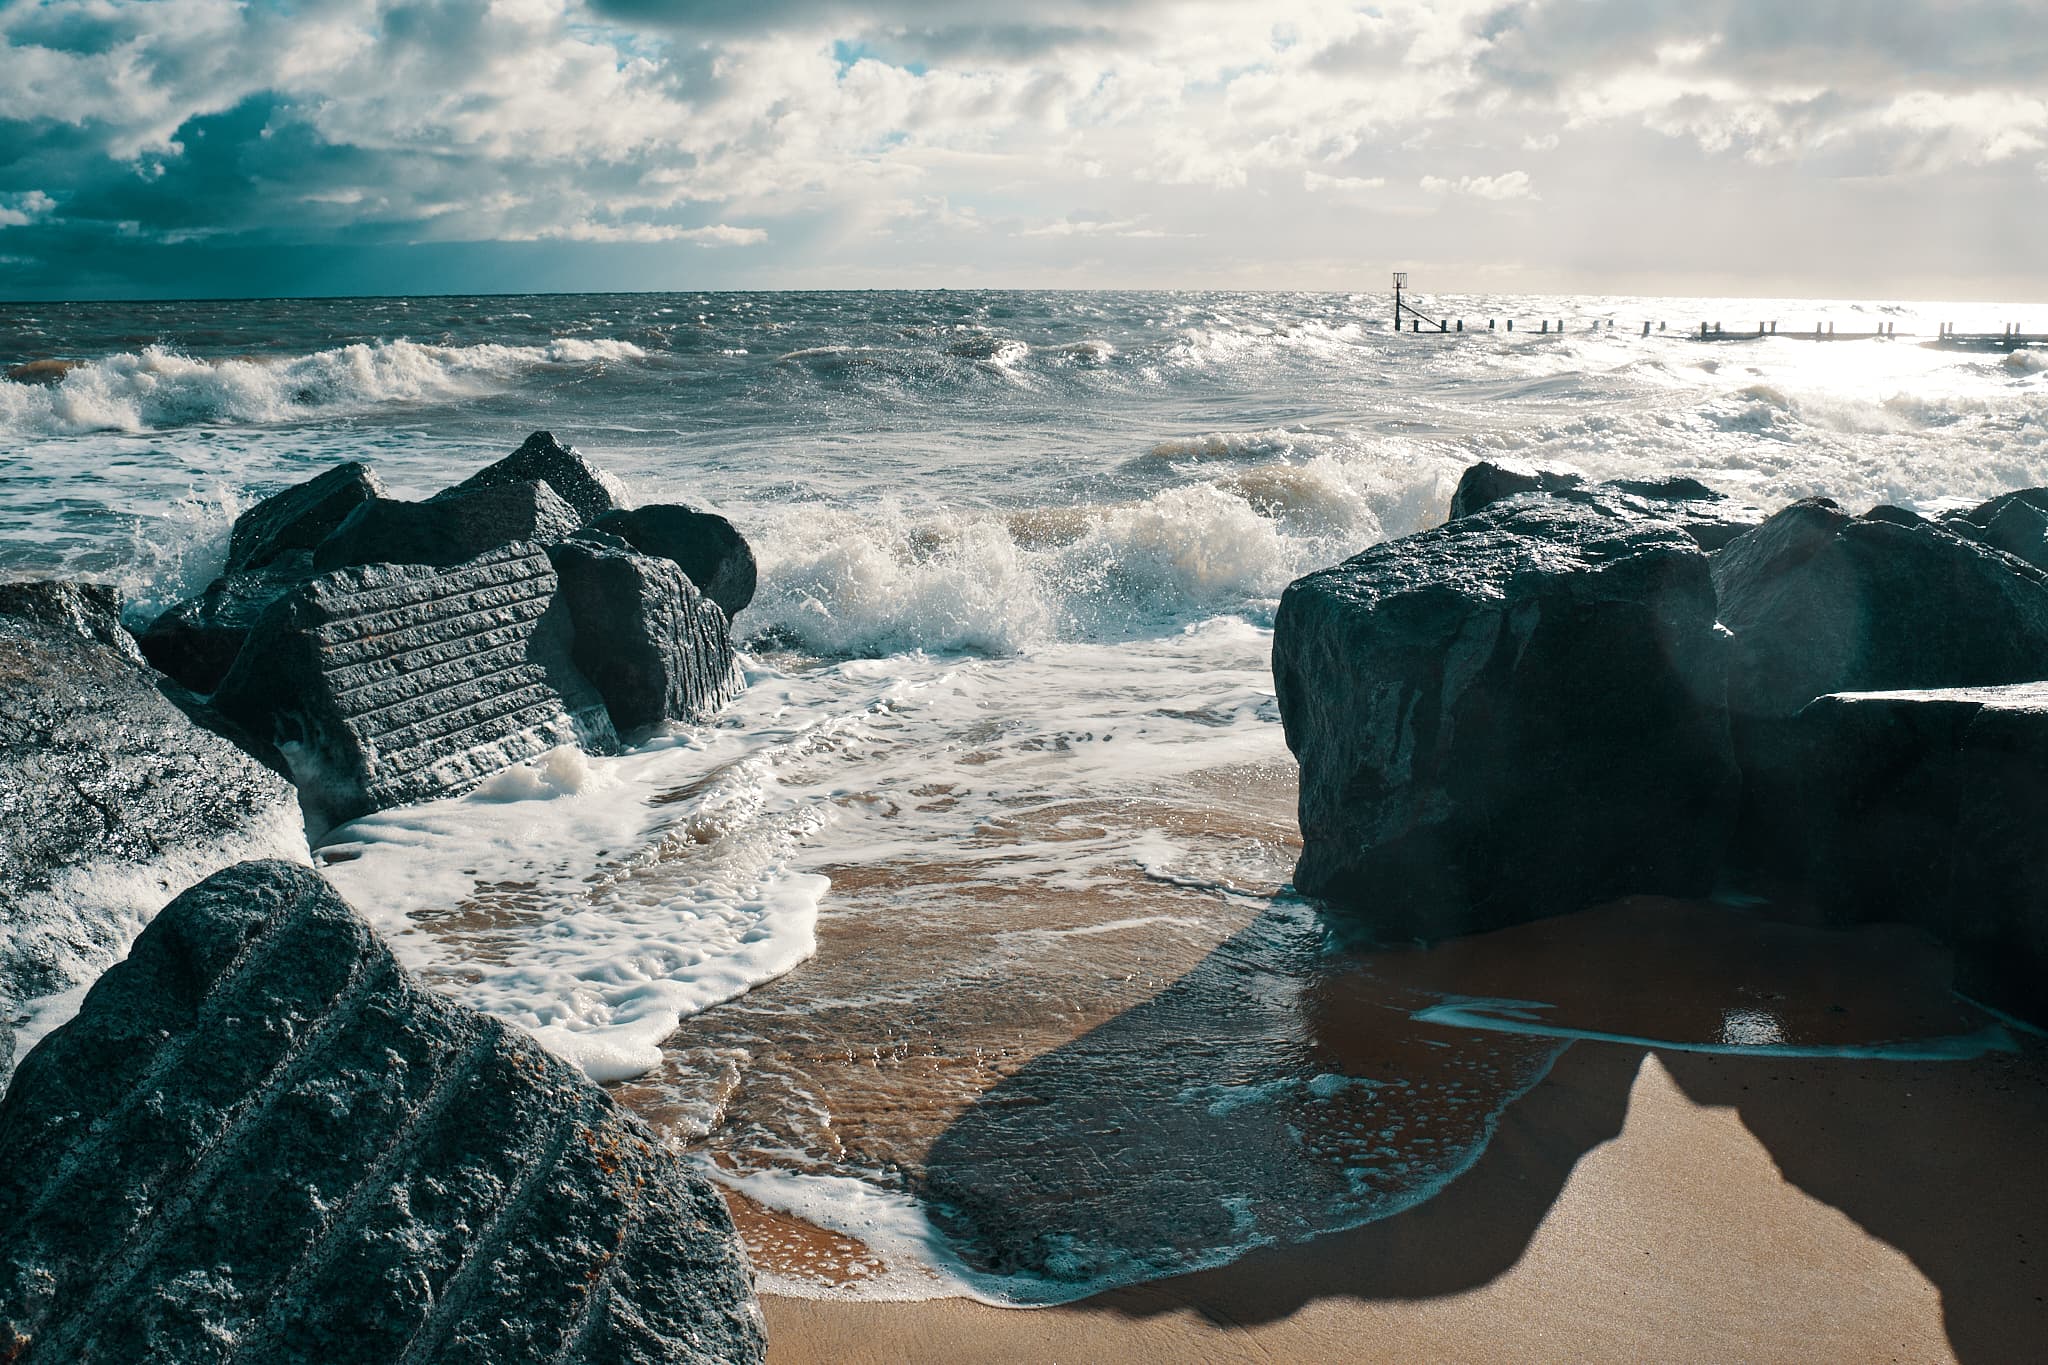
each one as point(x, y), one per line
point(89, 915)
point(586, 900)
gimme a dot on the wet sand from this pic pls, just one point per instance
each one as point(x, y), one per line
point(1634, 1205)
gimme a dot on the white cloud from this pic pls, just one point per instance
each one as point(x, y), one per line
point(1344, 186)
point(25, 208)
point(1507, 185)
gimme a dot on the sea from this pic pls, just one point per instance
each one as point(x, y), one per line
point(961, 948)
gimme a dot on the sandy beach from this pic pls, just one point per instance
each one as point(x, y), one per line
point(1634, 1205)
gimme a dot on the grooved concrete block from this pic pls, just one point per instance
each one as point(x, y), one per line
point(655, 648)
point(395, 683)
point(301, 516)
point(261, 1140)
point(586, 488)
point(447, 528)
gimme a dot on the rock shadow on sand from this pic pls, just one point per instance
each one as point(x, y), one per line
point(1417, 1115)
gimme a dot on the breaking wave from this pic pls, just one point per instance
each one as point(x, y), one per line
point(885, 580)
point(158, 388)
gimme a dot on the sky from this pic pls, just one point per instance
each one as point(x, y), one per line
point(1831, 148)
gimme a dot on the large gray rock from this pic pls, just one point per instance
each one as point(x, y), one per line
point(1820, 602)
point(655, 648)
point(91, 611)
point(263, 1141)
point(1518, 713)
point(581, 484)
point(198, 640)
point(301, 516)
point(710, 549)
point(1928, 806)
point(110, 798)
point(395, 683)
point(447, 528)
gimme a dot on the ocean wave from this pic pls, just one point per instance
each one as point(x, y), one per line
point(880, 581)
point(158, 388)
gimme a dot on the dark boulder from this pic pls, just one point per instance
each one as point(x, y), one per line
point(261, 1140)
point(110, 797)
point(197, 641)
point(1518, 713)
point(1487, 482)
point(655, 648)
point(447, 528)
point(395, 683)
point(1928, 806)
point(711, 551)
point(301, 516)
point(581, 484)
point(1820, 602)
point(2016, 523)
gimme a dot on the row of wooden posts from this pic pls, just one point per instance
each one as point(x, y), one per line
point(1710, 331)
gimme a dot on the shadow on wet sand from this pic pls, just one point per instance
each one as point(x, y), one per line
point(1281, 1094)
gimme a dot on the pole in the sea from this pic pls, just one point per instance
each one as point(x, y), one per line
point(1400, 283)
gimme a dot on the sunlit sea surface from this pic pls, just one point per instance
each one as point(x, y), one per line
point(975, 908)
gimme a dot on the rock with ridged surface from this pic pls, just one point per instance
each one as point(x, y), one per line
point(395, 683)
point(261, 1140)
point(110, 798)
point(301, 516)
point(586, 488)
point(1927, 806)
point(707, 546)
point(197, 641)
point(1516, 714)
point(447, 528)
point(655, 648)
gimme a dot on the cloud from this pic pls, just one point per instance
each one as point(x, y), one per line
point(20, 210)
point(716, 234)
point(1346, 186)
point(910, 135)
point(1508, 185)
point(1071, 227)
